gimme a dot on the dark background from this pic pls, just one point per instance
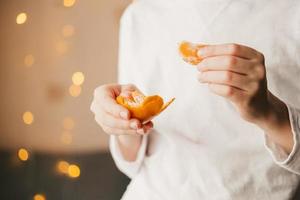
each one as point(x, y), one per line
point(99, 178)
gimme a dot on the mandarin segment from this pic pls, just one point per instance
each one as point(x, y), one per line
point(188, 52)
point(143, 107)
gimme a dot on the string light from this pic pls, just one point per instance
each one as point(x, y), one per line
point(23, 154)
point(69, 3)
point(39, 197)
point(63, 167)
point(75, 90)
point(71, 170)
point(74, 171)
point(29, 60)
point(78, 78)
point(68, 30)
point(28, 118)
point(66, 137)
point(21, 18)
point(68, 123)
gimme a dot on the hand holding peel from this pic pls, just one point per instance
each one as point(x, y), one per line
point(123, 110)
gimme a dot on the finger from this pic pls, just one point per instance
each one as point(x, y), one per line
point(148, 125)
point(222, 63)
point(118, 89)
point(129, 87)
point(143, 131)
point(229, 92)
point(126, 90)
point(105, 99)
point(146, 128)
point(224, 78)
point(113, 122)
point(116, 131)
point(228, 49)
point(110, 106)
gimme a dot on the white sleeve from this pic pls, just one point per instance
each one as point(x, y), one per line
point(130, 168)
point(289, 161)
point(127, 74)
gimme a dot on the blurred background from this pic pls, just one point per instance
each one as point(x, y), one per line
point(54, 53)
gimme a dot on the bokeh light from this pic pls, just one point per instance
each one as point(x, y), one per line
point(69, 3)
point(21, 18)
point(66, 137)
point(48, 58)
point(62, 167)
point(68, 30)
point(74, 171)
point(78, 78)
point(39, 197)
point(28, 117)
point(75, 90)
point(29, 60)
point(68, 123)
point(23, 154)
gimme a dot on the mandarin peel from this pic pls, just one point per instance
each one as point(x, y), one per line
point(143, 107)
point(188, 52)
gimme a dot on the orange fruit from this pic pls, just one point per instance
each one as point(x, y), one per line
point(143, 107)
point(188, 52)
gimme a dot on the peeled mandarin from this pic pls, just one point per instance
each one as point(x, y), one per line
point(188, 52)
point(143, 107)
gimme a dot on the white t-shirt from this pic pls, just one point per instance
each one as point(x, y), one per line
point(200, 147)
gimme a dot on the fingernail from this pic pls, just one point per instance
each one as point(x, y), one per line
point(133, 125)
point(124, 115)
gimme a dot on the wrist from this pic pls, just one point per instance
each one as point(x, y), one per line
point(129, 140)
point(276, 123)
point(129, 145)
point(278, 116)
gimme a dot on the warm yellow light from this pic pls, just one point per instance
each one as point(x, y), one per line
point(61, 47)
point(66, 137)
point(75, 90)
point(39, 197)
point(68, 123)
point(28, 118)
point(74, 171)
point(78, 78)
point(21, 18)
point(62, 167)
point(68, 30)
point(69, 3)
point(29, 60)
point(23, 154)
